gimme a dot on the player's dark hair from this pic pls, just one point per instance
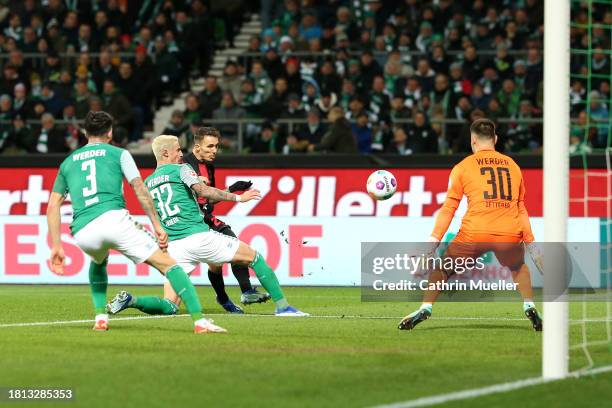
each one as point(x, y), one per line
point(204, 131)
point(97, 123)
point(484, 129)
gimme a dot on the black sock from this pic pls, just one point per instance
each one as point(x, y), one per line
point(241, 273)
point(216, 281)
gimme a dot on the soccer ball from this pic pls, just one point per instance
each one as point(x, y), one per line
point(381, 185)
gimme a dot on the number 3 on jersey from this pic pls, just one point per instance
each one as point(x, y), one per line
point(90, 167)
point(164, 205)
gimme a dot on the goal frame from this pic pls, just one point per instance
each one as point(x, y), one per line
point(555, 340)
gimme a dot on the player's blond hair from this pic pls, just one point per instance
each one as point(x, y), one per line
point(161, 143)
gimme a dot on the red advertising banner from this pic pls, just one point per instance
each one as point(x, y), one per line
point(321, 192)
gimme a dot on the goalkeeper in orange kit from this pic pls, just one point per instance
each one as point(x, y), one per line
point(496, 220)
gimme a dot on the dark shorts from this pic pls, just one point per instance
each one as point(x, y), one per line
point(219, 226)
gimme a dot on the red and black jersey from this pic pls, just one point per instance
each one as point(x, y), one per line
point(206, 170)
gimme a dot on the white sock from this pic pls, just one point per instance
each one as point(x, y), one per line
point(201, 322)
point(102, 316)
point(426, 305)
point(528, 304)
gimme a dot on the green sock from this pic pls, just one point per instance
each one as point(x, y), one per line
point(269, 281)
point(154, 305)
point(98, 282)
point(184, 288)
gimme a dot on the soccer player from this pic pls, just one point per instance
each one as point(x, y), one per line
point(93, 176)
point(496, 219)
point(174, 187)
point(201, 159)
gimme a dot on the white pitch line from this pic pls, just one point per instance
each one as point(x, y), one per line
point(491, 389)
point(358, 317)
point(115, 319)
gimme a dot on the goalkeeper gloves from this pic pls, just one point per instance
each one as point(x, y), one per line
point(240, 186)
point(536, 255)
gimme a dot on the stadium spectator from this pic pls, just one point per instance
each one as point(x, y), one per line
point(228, 111)
point(128, 86)
point(251, 99)
point(260, 78)
point(421, 136)
point(293, 109)
point(362, 132)
point(22, 106)
point(398, 109)
point(326, 102)
point(103, 70)
point(267, 141)
point(81, 98)
point(167, 69)
point(339, 137)
point(399, 142)
point(581, 135)
point(310, 133)
point(177, 126)
point(21, 137)
point(231, 79)
point(277, 102)
point(473, 47)
point(600, 116)
point(210, 97)
point(272, 64)
point(509, 97)
point(118, 106)
point(52, 138)
point(523, 135)
point(193, 111)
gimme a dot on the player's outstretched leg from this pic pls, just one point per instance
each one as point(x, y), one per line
point(247, 255)
point(184, 288)
point(152, 305)
point(215, 276)
point(522, 277)
point(98, 282)
point(269, 281)
point(424, 312)
point(249, 294)
point(241, 273)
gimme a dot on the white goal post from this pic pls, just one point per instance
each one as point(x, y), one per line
point(556, 179)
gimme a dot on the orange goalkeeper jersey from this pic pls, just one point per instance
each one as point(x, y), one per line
point(494, 187)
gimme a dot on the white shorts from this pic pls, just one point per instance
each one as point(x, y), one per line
point(204, 247)
point(117, 230)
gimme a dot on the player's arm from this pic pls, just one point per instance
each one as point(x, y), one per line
point(132, 175)
point(523, 215)
point(56, 199)
point(447, 212)
point(237, 186)
point(190, 178)
point(528, 238)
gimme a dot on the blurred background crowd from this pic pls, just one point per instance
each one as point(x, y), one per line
point(352, 76)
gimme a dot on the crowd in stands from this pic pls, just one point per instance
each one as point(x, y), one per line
point(61, 58)
point(345, 76)
point(397, 70)
point(387, 71)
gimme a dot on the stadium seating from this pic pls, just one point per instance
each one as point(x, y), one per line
point(448, 62)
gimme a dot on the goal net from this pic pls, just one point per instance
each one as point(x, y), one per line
point(590, 180)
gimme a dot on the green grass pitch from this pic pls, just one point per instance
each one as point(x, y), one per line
point(357, 360)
